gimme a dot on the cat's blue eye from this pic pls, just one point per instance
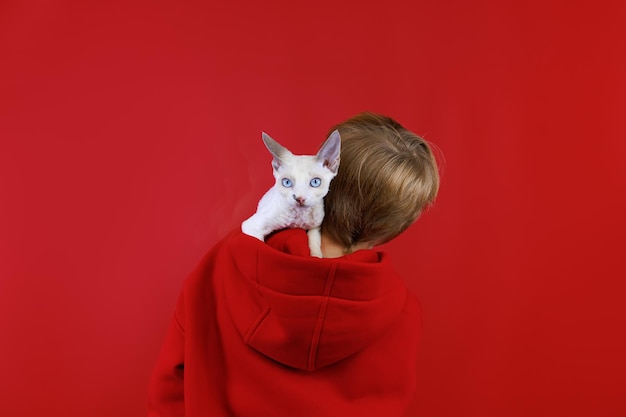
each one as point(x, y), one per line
point(287, 183)
point(315, 182)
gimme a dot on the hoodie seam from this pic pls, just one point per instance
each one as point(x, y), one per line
point(330, 279)
point(256, 325)
point(333, 297)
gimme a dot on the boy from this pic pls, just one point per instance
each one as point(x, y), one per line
point(263, 329)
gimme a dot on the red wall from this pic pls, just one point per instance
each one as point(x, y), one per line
point(130, 142)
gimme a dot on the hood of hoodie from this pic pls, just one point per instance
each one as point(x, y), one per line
point(306, 312)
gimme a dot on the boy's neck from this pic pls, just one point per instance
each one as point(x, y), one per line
point(332, 249)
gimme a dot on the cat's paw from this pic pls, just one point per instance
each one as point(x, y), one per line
point(315, 242)
point(247, 229)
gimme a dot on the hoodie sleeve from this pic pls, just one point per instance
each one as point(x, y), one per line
point(165, 395)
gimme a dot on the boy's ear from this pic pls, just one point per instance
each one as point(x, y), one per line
point(330, 151)
point(276, 149)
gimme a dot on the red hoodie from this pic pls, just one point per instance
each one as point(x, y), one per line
point(265, 330)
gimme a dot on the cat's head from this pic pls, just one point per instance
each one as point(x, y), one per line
point(303, 180)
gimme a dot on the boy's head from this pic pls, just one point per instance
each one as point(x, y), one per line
point(386, 177)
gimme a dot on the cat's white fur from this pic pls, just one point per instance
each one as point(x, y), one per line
point(296, 202)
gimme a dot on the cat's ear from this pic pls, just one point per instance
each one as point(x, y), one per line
point(329, 152)
point(276, 149)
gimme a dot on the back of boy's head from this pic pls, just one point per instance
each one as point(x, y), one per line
point(387, 176)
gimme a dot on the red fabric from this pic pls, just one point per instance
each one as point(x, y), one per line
point(262, 329)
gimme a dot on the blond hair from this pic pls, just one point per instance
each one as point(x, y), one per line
point(387, 175)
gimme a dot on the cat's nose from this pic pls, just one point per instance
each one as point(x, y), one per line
point(299, 200)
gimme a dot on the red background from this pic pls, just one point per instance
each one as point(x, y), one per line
point(130, 143)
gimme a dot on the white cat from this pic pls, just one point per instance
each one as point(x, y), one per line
point(297, 197)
